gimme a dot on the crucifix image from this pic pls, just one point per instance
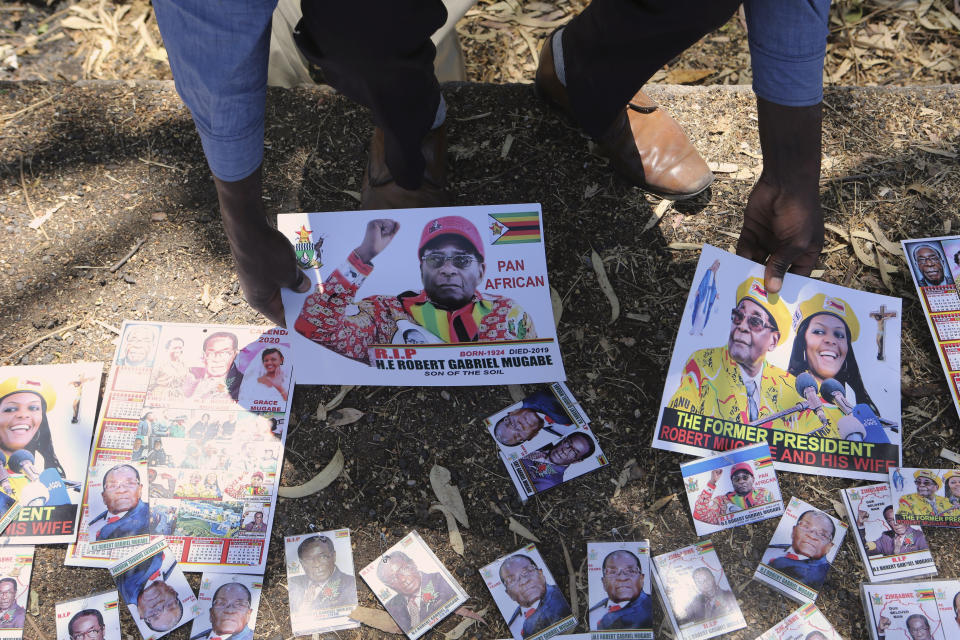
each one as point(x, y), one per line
point(78, 394)
point(881, 316)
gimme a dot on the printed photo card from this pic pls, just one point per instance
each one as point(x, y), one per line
point(909, 610)
point(620, 587)
point(806, 623)
point(16, 566)
point(320, 578)
point(928, 497)
point(228, 606)
point(95, 617)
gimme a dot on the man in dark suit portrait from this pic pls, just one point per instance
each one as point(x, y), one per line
point(712, 601)
point(323, 586)
point(811, 540)
point(419, 594)
point(230, 612)
point(126, 515)
point(539, 605)
point(626, 605)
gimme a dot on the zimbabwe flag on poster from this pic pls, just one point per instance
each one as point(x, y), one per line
point(514, 228)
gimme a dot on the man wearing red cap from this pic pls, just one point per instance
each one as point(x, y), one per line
point(712, 510)
point(448, 309)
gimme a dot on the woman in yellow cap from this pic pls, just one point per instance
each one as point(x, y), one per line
point(24, 403)
point(826, 328)
point(951, 488)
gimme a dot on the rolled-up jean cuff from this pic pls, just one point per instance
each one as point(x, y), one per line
point(796, 82)
point(235, 158)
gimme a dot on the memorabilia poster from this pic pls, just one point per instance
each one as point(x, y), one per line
point(801, 551)
point(517, 582)
point(321, 582)
point(806, 623)
point(228, 606)
point(890, 549)
point(929, 497)
point(119, 513)
point(904, 610)
point(732, 488)
point(620, 590)
point(813, 371)
point(16, 565)
point(545, 440)
point(948, 602)
point(47, 415)
point(425, 297)
point(95, 617)
point(695, 592)
point(152, 585)
point(413, 586)
point(205, 409)
point(935, 268)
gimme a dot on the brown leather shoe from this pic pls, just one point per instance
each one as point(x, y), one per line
point(644, 143)
point(379, 191)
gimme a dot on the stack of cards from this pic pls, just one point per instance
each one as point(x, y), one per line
point(890, 549)
point(320, 580)
point(698, 600)
point(732, 488)
point(545, 440)
point(801, 551)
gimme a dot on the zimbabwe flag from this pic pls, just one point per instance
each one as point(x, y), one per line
point(514, 228)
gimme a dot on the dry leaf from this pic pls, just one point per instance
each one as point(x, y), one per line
point(158, 216)
point(521, 530)
point(591, 190)
point(447, 493)
point(216, 305)
point(572, 575)
point(662, 207)
point(516, 392)
point(890, 247)
point(605, 286)
point(949, 455)
point(839, 508)
point(662, 502)
point(507, 143)
point(205, 296)
point(456, 540)
point(624, 476)
point(686, 76)
point(723, 167)
point(319, 482)
point(685, 246)
point(557, 303)
point(343, 417)
point(76, 22)
point(322, 409)
point(461, 628)
point(376, 618)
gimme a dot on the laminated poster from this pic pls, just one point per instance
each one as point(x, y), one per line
point(228, 606)
point(928, 497)
point(152, 585)
point(948, 603)
point(890, 549)
point(908, 610)
point(517, 582)
point(413, 586)
point(801, 551)
point(620, 588)
point(188, 446)
point(16, 565)
point(545, 440)
point(95, 617)
point(935, 268)
point(813, 371)
point(320, 578)
point(697, 597)
point(806, 623)
point(423, 297)
point(47, 413)
point(732, 488)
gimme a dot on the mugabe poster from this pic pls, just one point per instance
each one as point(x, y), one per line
point(813, 371)
point(427, 297)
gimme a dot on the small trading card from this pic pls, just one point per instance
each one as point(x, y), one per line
point(320, 578)
point(813, 369)
point(905, 610)
point(948, 602)
point(928, 497)
point(16, 565)
point(228, 606)
point(801, 551)
point(806, 623)
point(152, 585)
point(545, 440)
point(48, 412)
point(698, 600)
point(446, 297)
point(413, 586)
point(119, 513)
point(732, 488)
point(620, 588)
point(890, 549)
point(527, 595)
point(95, 617)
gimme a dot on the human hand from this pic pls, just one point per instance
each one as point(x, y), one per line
point(883, 624)
point(378, 235)
point(715, 475)
point(861, 518)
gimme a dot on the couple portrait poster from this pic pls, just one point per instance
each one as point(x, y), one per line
point(814, 371)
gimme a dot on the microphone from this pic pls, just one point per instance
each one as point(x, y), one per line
point(871, 423)
point(807, 387)
point(851, 429)
point(35, 493)
point(4, 476)
point(832, 392)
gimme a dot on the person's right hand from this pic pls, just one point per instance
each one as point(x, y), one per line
point(715, 475)
point(883, 624)
point(378, 235)
point(861, 518)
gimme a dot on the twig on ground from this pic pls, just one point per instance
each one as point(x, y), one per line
point(27, 347)
point(129, 255)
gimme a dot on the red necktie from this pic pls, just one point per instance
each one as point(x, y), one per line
point(528, 613)
point(113, 519)
point(154, 575)
point(613, 608)
point(216, 638)
point(792, 556)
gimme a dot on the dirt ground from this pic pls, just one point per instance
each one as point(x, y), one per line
point(123, 164)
